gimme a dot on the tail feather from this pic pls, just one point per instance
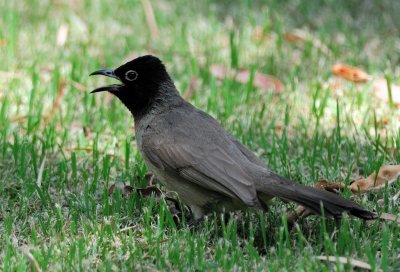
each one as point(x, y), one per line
point(314, 199)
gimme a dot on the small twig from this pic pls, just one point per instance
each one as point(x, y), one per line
point(127, 228)
point(345, 260)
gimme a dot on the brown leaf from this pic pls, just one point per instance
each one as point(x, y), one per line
point(299, 36)
point(350, 73)
point(261, 81)
point(381, 90)
point(390, 217)
point(300, 212)
point(388, 173)
point(345, 260)
point(294, 37)
point(329, 186)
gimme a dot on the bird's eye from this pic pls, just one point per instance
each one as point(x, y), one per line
point(131, 75)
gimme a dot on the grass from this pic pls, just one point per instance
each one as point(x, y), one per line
point(86, 142)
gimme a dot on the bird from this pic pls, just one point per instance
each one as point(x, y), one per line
point(190, 153)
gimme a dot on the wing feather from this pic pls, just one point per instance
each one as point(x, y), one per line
point(199, 150)
point(214, 170)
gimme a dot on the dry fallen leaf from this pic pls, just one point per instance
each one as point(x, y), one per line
point(301, 212)
point(330, 186)
point(350, 73)
point(388, 173)
point(261, 81)
point(390, 217)
point(345, 260)
point(294, 37)
point(380, 88)
point(300, 36)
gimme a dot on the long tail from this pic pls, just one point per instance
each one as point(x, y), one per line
point(312, 198)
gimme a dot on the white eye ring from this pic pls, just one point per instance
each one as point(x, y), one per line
point(131, 75)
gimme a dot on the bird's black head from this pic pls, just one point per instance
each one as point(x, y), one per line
point(142, 80)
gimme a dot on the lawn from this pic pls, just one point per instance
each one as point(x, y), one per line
point(61, 148)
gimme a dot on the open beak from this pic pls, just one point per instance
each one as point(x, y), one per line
point(108, 73)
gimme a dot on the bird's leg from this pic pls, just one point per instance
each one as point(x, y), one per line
point(198, 216)
point(300, 212)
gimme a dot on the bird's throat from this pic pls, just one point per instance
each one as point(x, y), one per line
point(147, 100)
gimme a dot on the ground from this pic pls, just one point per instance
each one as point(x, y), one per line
point(62, 147)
